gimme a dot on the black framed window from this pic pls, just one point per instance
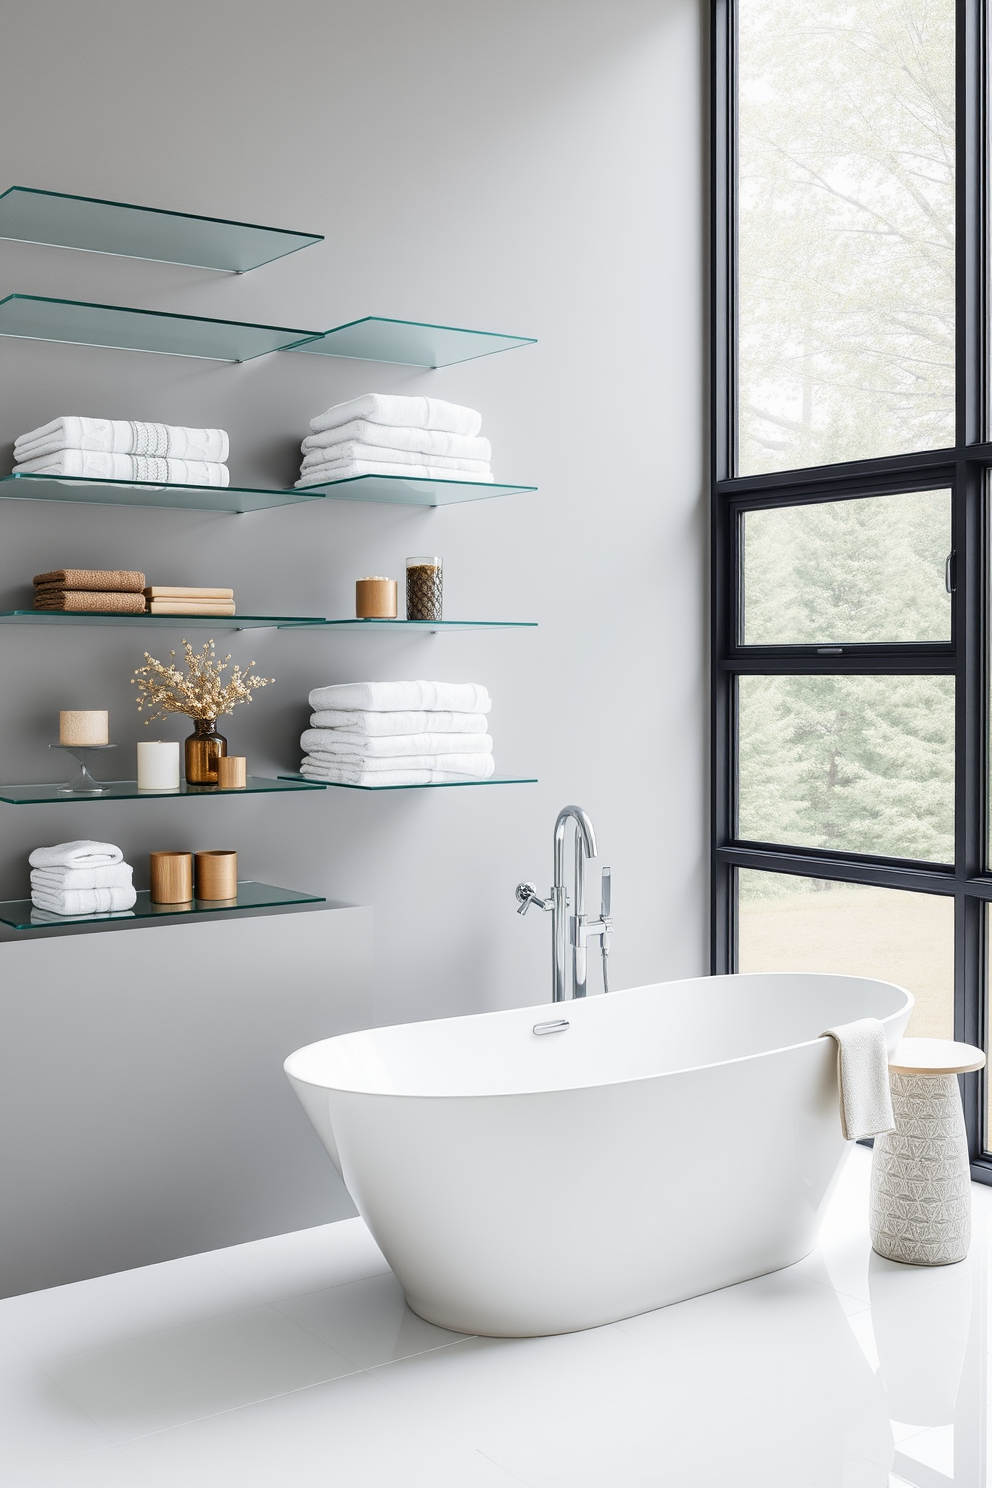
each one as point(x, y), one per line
point(850, 532)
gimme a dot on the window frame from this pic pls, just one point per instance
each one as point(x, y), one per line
point(965, 469)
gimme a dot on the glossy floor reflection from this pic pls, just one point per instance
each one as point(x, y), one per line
point(295, 1360)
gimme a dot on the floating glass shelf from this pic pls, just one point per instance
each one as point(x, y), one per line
point(432, 627)
point(177, 622)
point(127, 790)
point(127, 231)
point(22, 915)
point(437, 785)
point(27, 487)
point(39, 318)
point(403, 490)
point(411, 343)
point(22, 486)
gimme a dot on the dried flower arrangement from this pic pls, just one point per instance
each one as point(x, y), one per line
point(202, 693)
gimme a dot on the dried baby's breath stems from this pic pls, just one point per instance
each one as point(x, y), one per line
point(200, 692)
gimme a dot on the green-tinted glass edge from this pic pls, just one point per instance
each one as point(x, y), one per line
point(257, 785)
point(144, 912)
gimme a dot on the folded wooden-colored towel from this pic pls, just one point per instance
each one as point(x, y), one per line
point(107, 580)
point(90, 600)
point(191, 607)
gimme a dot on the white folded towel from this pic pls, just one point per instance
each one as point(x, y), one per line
point(346, 775)
point(352, 451)
point(81, 853)
point(123, 437)
point(385, 725)
point(389, 436)
point(863, 1076)
point(478, 766)
point(388, 697)
point(404, 413)
point(84, 901)
point(115, 876)
point(92, 465)
point(363, 746)
point(324, 475)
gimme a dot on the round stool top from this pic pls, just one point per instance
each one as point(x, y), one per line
point(930, 1056)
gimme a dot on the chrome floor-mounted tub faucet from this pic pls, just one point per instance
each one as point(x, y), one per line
point(572, 931)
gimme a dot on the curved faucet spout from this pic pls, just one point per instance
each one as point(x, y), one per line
point(584, 832)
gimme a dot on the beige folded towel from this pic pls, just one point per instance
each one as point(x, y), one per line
point(108, 580)
point(91, 600)
point(191, 607)
point(176, 591)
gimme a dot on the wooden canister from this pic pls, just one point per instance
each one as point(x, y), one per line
point(232, 772)
point(171, 877)
point(375, 599)
point(217, 874)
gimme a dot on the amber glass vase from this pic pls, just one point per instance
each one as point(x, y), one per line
point(204, 748)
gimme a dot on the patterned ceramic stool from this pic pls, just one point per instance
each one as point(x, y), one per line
point(920, 1210)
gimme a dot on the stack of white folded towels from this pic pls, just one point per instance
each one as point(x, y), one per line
point(125, 449)
point(385, 434)
point(398, 733)
point(80, 878)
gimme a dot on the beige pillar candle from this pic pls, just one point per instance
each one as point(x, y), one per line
point(84, 728)
point(158, 765)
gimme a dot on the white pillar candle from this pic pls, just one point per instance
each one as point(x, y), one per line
point(158, 764)
point(84, 728)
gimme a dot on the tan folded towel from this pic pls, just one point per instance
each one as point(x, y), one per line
point(107, 581)
point(91, 600)
point(175, 591)
point(190, 607)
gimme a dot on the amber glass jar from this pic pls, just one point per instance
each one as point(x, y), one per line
point(204, 748)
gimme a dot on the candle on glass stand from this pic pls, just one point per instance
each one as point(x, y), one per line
point(84, 728)
point(158, 765)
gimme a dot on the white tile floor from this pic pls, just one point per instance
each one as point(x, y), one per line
point(295, 1361)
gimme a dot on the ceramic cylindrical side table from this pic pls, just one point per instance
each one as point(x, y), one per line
point(920, 1210)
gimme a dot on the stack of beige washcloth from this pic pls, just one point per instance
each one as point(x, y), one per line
point(172, 599)
point(124, 450)
point(376, 734)
point(112, 591)
point(386, 434)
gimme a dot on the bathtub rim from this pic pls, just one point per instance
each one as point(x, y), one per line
point(475, 1095)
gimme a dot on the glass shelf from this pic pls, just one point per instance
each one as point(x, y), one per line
point(39, 318)
point(239, 499)
point(22, 915)
point(177, 622)
point(431, 627)
point(28, 215)
point(403, 490)
point(438, 785)
point(411, 343)
point(127, 790)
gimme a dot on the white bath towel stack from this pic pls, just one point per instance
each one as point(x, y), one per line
point(398, 733)
point(385, 434)
point(80, 878)
point(124, 449)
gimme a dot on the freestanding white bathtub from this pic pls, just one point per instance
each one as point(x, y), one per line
point(670, 1140)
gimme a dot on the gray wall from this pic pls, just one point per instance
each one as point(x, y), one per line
point(534, 166)
point(144, 1113)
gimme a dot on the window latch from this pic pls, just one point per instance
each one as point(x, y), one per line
point(951, 573)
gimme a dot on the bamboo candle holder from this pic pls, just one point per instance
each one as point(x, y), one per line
point(171, 877)
point(217, 874)
point(375, 599)
point(232, 772)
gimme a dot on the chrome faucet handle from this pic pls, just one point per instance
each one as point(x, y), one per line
point(527, 895)
point(607, 899)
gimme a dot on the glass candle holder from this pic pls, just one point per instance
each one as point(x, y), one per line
point(424, 588)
